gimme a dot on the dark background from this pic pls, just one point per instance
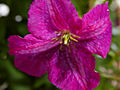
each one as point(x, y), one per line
point(16, 24)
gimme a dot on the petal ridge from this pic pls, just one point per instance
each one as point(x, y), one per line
point(29, 45)
point(66, 71)
point(95, 22)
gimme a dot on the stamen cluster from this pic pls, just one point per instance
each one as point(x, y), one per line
point(66, 37)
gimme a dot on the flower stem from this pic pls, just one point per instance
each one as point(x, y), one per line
point(112, 77)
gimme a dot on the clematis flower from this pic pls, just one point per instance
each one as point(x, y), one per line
point(62, 44)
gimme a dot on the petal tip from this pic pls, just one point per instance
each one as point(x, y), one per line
point(11, 37)
point(107, 2)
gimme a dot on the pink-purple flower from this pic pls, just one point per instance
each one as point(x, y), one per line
point(62, 44)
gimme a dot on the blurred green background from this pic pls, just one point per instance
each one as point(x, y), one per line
point(13, 21)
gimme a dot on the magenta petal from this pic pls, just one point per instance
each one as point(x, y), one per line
point(100, 44)
point(48, 16)
point(64, 14)
point(34, 64)
point(31, 54)
point(95, 22)
point(73, 70)
point(39, 21)
point(29, 44)
point(30, 37)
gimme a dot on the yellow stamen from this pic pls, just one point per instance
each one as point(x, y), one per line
point(57, 32)
point(73, 39)
point(75, 36)
point(66, 37)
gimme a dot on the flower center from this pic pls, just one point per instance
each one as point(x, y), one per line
point(66, 37)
